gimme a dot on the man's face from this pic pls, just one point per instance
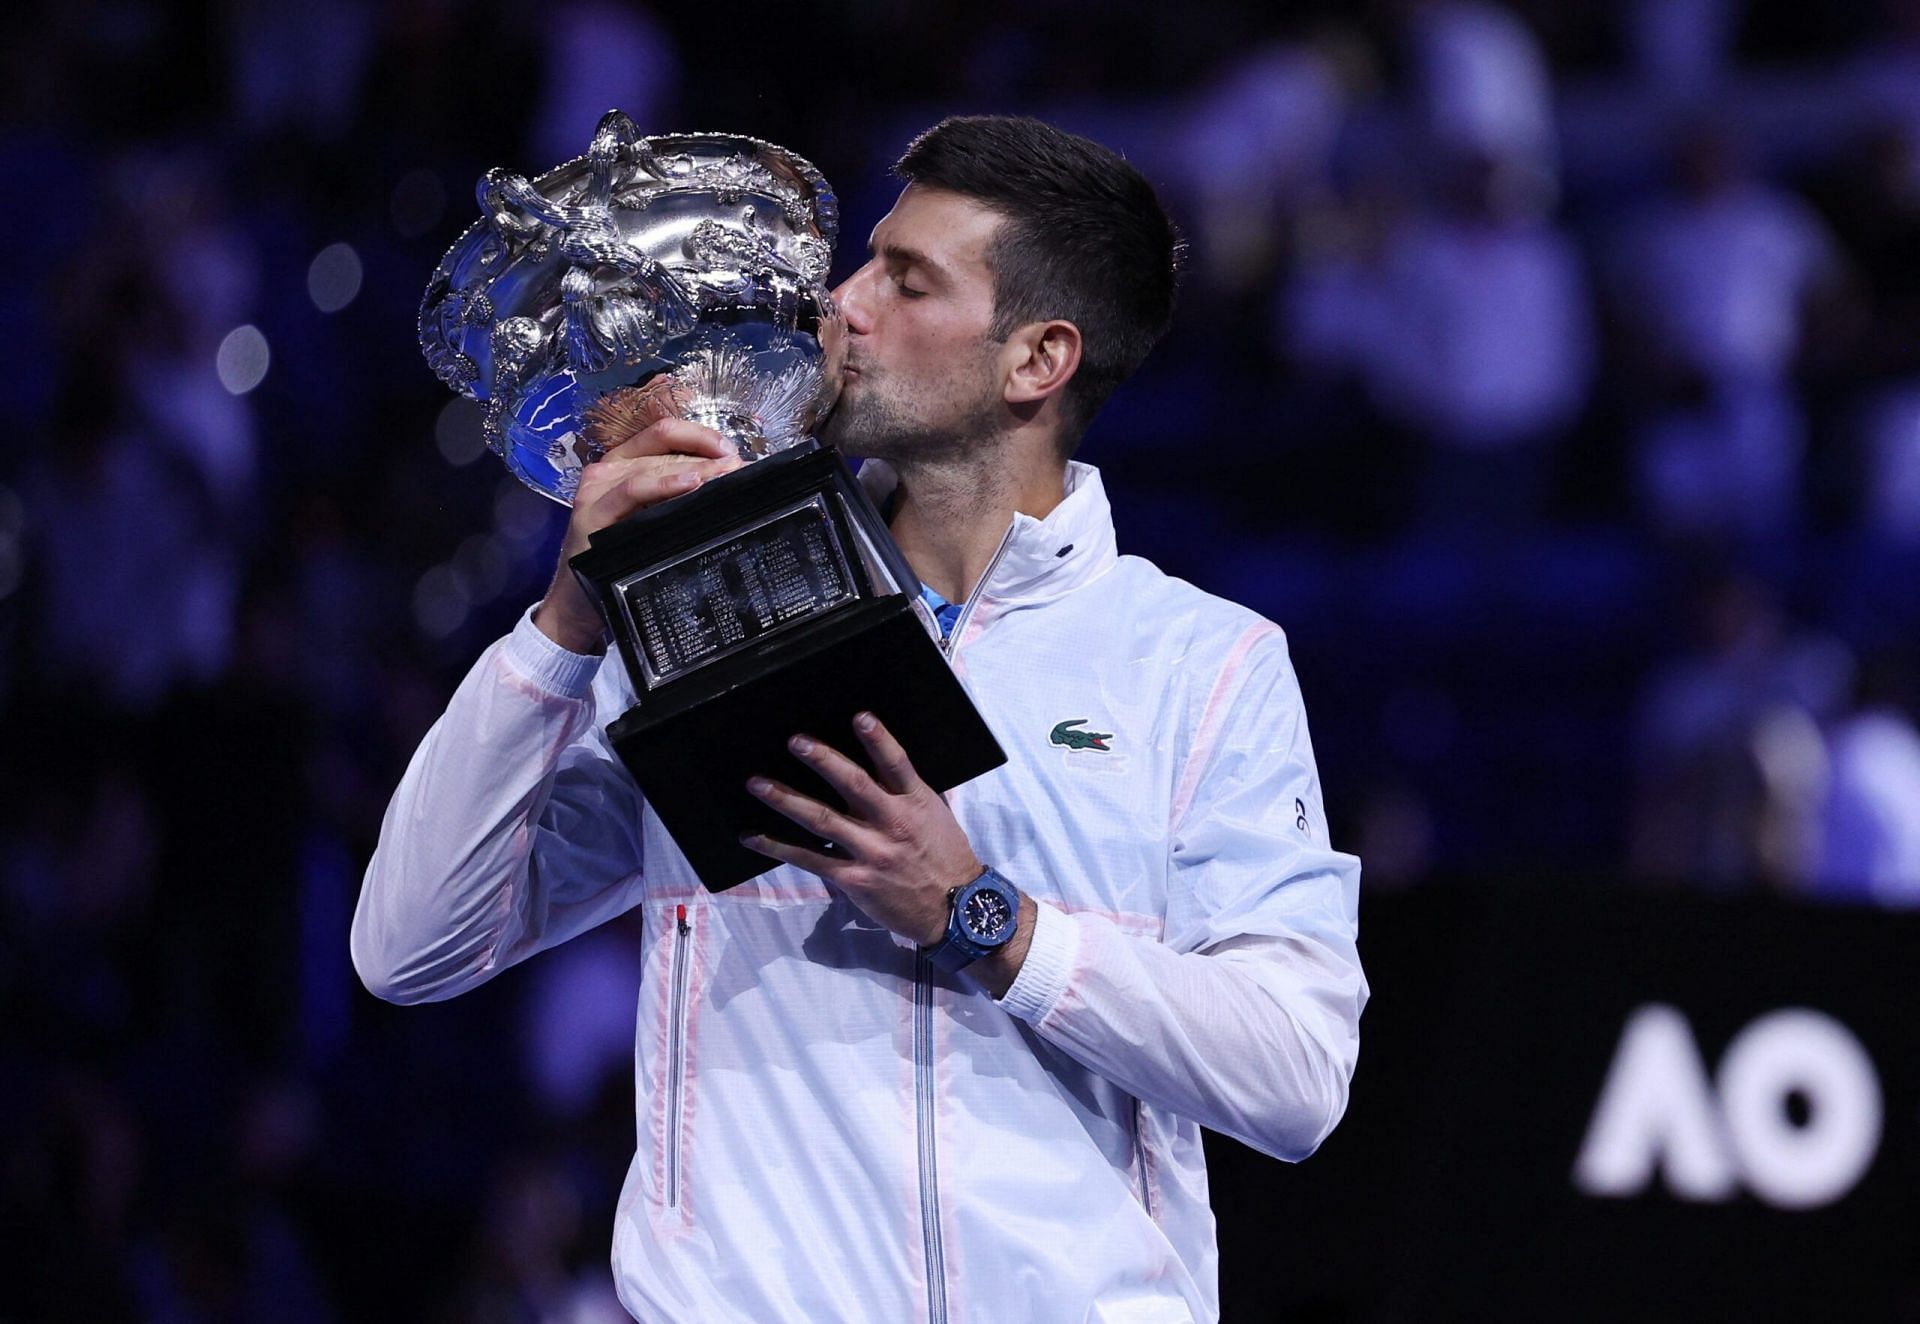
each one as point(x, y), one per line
point(922, 380)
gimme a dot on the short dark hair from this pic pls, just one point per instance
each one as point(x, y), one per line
point(1085, 240)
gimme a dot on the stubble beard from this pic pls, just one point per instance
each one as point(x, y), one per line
point(876, 423)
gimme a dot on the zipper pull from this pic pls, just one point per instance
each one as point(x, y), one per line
point(680, 918)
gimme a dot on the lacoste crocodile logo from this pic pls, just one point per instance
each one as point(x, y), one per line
point(1063, 734)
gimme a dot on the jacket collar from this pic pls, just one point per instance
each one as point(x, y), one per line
point(1042, 558)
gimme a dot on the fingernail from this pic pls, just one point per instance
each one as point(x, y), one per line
point(751, 840)
point(687, 480)
point(865, 722)
point(800, 745)
point(759, 785)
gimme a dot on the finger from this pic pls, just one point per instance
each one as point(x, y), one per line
point(890, 762)
point(610, 490)
point(858, 789)
point(612, 468)
point(655, 478)
point(636, 492)
point(675, 436)
point(823, 821)
point(788, 853)
point(618, 487)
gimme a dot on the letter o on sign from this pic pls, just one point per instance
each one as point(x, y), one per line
point(1800, 1166)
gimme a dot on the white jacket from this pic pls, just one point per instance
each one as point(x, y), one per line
point(829, 1129)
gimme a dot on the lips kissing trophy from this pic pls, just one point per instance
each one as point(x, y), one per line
point(684, 275)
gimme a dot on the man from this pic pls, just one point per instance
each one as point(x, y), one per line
point(836, 1120)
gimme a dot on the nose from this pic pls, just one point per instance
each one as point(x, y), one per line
point(852, 298)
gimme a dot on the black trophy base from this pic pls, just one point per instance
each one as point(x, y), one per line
point(692, 754)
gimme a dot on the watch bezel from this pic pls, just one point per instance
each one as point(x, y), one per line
point(962, 913)
point(960, 948)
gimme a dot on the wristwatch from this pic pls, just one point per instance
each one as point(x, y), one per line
point(985, 914)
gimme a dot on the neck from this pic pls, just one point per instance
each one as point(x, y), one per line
point(950, 515)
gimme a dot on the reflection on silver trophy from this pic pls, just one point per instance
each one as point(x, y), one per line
point(681, 274)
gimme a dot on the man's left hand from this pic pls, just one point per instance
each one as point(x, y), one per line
point(900, 849)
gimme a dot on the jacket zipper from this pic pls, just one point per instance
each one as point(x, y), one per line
point(923, 1040)
point(929, 1159)
point(676, 1053)
point(952, 640)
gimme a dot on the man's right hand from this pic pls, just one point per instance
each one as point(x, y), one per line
point(669, 459)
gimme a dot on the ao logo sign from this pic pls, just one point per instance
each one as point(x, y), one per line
point(1793, 1113)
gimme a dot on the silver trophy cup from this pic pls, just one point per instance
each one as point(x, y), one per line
point(680, 274)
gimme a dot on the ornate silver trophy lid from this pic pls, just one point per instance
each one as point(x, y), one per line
point(681, 274)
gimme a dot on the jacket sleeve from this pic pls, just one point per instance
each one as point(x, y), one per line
point(514, 828)
point(1246, 1018)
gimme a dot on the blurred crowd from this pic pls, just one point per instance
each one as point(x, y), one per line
point(1551, 373)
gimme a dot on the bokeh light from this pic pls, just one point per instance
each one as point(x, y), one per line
point(459, 431)
point(333, 277)
point(418, 202)
point(242, 359)
point(439, 602)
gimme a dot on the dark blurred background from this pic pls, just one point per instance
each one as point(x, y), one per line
point(1550, 372)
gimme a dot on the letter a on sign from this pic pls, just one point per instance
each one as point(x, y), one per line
point(1657, 1110)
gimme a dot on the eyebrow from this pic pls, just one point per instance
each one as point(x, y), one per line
point(913, 257)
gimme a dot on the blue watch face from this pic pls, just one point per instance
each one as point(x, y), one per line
point(984, 914)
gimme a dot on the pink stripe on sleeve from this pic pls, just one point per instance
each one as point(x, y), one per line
point(1210, 722)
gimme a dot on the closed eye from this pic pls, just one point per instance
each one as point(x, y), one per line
point(903, 262)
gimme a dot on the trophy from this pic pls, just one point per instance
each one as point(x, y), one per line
point(684, 275)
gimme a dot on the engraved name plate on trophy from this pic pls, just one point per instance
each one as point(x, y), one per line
point(684, 275)
point(716, 599)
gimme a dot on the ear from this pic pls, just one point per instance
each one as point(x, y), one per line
point(1038, 360)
